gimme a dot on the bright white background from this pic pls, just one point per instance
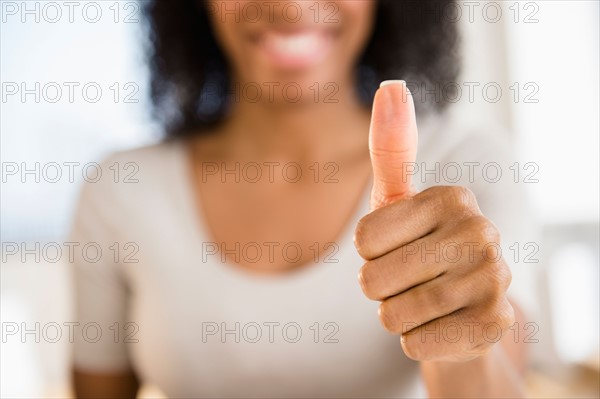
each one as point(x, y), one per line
point(551, 44)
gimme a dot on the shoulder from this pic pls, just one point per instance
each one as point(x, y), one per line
point(449, 137)
point(456, 152)
point(127, 180)
point(153, 156)
point(135, 167)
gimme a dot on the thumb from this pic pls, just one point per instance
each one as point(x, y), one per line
point(392, 143)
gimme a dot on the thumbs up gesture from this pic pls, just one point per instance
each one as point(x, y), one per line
point(432, 258)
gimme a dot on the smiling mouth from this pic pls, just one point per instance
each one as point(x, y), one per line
point(295, 50)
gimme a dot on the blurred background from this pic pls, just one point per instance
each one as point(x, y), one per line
point(74, 89)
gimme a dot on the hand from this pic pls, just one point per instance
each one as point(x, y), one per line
point(432, 257)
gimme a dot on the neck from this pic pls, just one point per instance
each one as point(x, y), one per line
point(313, 129)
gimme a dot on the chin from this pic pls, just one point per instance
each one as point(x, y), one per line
point(308, 84)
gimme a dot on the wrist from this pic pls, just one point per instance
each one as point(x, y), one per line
point(491, 374)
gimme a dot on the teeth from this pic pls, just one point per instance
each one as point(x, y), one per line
point(295, 44)
point(295, 50)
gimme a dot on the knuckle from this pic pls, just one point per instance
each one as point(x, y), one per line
point(489, 231)
point(503, 276)
point(501, 316)
point(499, 278)
point(484, 227)
point(496, 289)
point(479, 347)
point(507, 276)
point(456, 199)
point(460, 196)
point(433, 196)
point(506, 315)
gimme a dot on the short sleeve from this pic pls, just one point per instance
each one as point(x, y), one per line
point(100, 291)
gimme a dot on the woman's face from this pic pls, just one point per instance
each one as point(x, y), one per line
point(272, 43)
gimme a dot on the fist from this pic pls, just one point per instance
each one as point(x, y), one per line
point(432, 258)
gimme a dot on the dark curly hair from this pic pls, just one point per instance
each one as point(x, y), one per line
point(415, 40)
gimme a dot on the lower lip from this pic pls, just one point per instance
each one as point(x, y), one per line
point(295, 50)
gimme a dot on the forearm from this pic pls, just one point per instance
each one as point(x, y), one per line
point(490, 375)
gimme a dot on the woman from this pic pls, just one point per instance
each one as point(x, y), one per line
point(234, 267)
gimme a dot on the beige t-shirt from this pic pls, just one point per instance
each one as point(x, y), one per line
point(195, 326)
